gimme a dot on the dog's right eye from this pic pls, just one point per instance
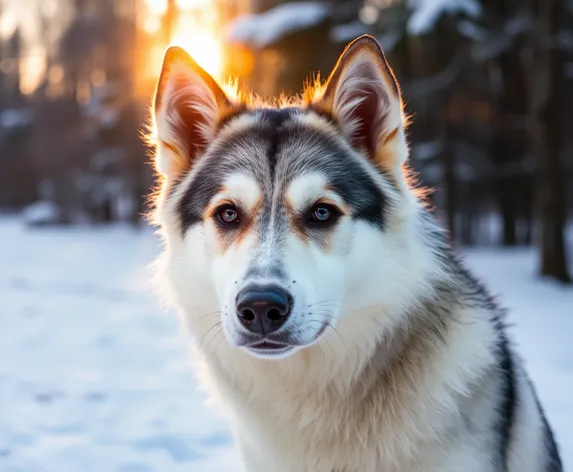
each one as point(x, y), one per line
point(228, 215)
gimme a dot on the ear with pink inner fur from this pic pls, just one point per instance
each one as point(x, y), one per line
point(188, 107)
point(363, 97)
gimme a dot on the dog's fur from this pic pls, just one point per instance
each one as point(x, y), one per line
point(399, 359)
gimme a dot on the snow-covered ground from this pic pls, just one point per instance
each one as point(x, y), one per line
point(95, 378)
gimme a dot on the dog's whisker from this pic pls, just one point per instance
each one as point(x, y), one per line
point(323, 338)
point(207, 332)
point(322, 310)
point(331, 327)
point(326, 314)
point(339, 335)
point(321, 351)
point(334, 302)
point(326, 306)
point(222, 338)
point(217, 332)
point(215, 335)
point(204, 317)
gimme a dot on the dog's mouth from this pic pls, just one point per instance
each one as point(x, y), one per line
point(269, 348)
point(275, 346)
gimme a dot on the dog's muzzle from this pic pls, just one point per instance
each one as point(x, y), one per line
point(263, 310)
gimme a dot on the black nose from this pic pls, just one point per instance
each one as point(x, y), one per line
point(263, 310)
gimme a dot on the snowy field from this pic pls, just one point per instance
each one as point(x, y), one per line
point(95, 378)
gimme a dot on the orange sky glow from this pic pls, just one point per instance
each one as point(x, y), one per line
point(198, 30)
point(198, 36)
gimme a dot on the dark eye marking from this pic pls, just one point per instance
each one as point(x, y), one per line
point(322, 215)
point(227, 215)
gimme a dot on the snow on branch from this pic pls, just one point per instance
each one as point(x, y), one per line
point(426, 13)
point(265, 29)
point(348, 31)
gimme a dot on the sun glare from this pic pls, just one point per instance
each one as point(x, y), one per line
point(202, 44)
point(195, 31)
point(188, 4)
point(157, 7)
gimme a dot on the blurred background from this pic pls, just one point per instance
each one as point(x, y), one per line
point(489, 83)
point(92, 375)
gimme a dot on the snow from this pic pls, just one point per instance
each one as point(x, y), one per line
point(265, 29)
point(472, 31)
point(42, 212)
point(94, 377)
point(348, 31)
point(425, 13)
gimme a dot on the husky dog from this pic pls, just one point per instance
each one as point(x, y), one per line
point(330, 313)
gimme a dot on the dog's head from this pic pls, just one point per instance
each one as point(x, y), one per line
point(280, 222)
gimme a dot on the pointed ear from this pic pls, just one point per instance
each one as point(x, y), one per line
point(363, 97)
point(189, 104)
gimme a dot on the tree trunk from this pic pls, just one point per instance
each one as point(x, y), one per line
point(508, 213)
point(545, 101)
point(170, 18)
point(504, 190)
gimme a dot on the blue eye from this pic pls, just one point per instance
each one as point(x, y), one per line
point(323, 213)
point(228, 215)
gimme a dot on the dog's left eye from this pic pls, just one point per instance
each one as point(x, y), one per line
point(323, 213)
point(228, 215)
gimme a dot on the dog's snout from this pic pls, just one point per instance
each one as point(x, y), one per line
point(263, 310)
